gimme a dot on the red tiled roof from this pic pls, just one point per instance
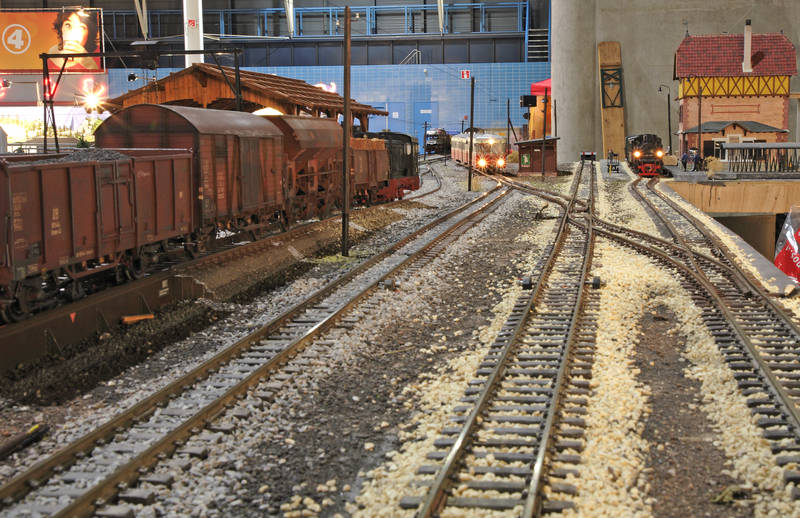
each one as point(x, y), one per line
point(720, 55)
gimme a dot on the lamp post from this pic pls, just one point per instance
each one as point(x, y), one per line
point(669, 114)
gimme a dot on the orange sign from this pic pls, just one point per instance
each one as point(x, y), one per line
point(26, 34)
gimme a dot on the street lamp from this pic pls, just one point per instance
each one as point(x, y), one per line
point(669, 114)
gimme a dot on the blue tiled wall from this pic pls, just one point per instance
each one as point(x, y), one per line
point(414, 93)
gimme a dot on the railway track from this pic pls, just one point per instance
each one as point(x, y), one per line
point(758, 339)
point(523, 410)
point(98, 473)
point(53, 330)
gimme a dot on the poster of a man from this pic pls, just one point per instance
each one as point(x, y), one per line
point(77, 34)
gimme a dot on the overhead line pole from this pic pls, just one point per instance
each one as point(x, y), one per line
point(471, 129)
point(348, 124)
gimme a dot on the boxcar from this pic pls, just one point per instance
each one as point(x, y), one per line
point(230, 150)
point(312, 152)
point(70, 217)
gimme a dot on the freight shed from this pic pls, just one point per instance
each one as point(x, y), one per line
point(208, 86)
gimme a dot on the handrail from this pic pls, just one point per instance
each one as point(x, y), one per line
point(264, 17)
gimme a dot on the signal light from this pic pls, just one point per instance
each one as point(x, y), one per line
point(501, 162)
point(481, 162)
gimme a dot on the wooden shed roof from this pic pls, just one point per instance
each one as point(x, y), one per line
point(204, 85)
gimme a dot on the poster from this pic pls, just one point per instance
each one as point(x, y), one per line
point(25, 34)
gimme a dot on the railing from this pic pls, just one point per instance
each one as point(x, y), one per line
point(321, 22)
point(763, 157)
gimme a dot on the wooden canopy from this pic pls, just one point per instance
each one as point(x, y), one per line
point(204, 85)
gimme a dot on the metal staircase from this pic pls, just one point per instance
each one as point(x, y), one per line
point(538, 50)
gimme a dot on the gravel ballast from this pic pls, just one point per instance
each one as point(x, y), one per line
point(358, 411)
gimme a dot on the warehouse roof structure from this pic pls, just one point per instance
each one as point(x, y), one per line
point(209, 86)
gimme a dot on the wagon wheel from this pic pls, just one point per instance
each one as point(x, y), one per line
point(15, 313)
point(75, 291)
point(134, 268)
point(194, 246)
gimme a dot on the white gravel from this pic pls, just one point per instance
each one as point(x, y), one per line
point(610, 482)
point(436, 394)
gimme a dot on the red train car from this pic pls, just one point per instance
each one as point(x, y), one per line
point(488, 151)
point(312, 153)
point(70, 219)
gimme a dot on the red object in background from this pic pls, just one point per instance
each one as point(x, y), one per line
point(787, 256)
point(465, 74)
point(541, 88)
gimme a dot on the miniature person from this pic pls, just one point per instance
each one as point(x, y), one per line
point(684, 159)
point(77, 34)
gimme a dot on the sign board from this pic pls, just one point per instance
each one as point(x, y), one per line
point(465, 74)
point(24, 34)
point(525, 159)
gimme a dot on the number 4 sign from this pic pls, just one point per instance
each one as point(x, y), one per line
point(16, 39)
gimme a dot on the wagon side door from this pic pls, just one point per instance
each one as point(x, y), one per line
point(250, 172)
point(115, 218)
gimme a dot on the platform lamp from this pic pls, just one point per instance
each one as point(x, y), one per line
point(669, 113)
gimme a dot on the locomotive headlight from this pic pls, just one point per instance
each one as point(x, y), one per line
point(659, 153)
point(637, 153)
point(481, 162)
point(501, 162)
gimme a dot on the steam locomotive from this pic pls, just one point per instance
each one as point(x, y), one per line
point(645, 154)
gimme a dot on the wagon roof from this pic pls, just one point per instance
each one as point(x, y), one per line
point(221, 122)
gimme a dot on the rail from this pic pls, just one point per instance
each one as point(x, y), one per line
point(351, 288)
point(574, 250)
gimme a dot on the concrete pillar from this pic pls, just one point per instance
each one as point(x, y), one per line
point(574, 76)
point(193, 29)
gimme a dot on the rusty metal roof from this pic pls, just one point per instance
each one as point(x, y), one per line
point(219, 122)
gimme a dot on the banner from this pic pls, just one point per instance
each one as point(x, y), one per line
point(26, 34)
point(787, 255)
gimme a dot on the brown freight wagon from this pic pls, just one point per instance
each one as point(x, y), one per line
point(370, 168)
point(69, 217)
point(313, 149)
point(238, 160)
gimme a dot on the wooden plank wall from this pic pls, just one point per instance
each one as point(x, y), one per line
point(203, 90)
point(609, 55)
